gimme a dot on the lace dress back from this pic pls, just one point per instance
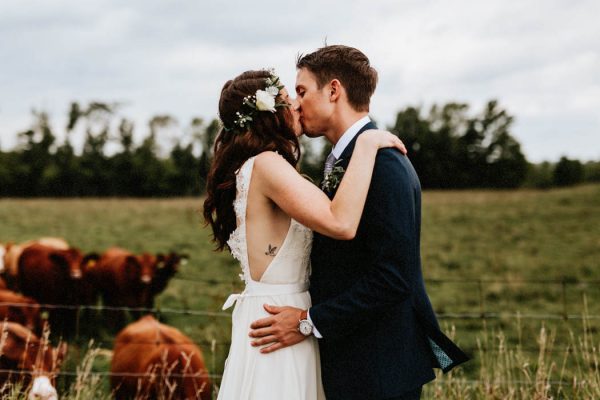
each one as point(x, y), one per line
point(291, 264)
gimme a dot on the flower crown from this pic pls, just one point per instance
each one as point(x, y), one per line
point(262, 100)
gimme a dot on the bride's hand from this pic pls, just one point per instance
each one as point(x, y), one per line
point(382, 139)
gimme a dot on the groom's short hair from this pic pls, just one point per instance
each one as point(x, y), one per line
point(348, 65)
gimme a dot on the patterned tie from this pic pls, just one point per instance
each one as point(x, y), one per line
point(329, 164)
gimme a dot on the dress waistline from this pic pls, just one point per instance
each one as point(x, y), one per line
point(255, 289)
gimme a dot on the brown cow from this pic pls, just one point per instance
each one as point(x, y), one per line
point(54, 277)
point(22, 351)
point(123, 279)
point(14, 251)
point(167, 267)
point(20, 309)
point(167, 364)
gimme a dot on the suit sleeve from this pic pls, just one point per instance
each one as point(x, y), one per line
point(390, 233)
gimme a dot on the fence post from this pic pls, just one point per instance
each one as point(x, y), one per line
point(481, 299)
point(77, 321)
point(564, 298)
point(77, 327)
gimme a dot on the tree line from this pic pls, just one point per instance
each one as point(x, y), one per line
point(452, 148)
point(449, 147)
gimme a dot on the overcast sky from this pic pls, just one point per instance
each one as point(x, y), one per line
point(540, 59)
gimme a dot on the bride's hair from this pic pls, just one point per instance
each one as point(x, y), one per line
point(267, 132)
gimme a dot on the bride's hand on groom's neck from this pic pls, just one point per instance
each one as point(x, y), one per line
point(277, 331)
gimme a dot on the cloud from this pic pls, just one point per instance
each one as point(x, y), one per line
point(540, 59)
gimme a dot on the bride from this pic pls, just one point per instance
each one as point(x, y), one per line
point(264, 212)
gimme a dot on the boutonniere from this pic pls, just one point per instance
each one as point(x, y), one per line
point(332, 179)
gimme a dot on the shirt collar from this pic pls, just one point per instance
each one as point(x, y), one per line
point(347, 137)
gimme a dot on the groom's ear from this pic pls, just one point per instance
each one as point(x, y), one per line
point(335, 90)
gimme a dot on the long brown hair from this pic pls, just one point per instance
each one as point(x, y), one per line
point(266, 132)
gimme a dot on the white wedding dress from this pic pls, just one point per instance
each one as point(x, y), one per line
point(292, 373)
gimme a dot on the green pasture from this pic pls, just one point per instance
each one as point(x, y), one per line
point(498, 254)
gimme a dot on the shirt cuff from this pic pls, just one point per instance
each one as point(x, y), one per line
point(315, 330)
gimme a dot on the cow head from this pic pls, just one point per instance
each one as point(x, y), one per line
point(69, 260)
point(34, 356)
point(73, 262)
point(167, 267)
point(140, 268)
point(172, 261)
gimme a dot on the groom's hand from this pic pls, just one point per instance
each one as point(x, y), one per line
point(277, 331)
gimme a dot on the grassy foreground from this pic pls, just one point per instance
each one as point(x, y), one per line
point(494, 253)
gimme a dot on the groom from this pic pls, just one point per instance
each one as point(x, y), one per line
point(378, 334)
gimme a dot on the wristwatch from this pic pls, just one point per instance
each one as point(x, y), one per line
point(304, 325)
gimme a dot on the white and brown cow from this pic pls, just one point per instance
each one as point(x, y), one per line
point(11, 252)
point(34, 361)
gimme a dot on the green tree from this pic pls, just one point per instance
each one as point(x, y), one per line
point(450, 149)
point(313, 155)
point(94, 164)
point(505, 164)
point(540, 175)
point(149, 172)
point(207, 138)
point(592, 171)
point(34, 157)
point(121, 164)
point(568, 172)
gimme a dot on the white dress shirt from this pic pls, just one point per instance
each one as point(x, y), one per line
point(347, 137)
point(337, 151)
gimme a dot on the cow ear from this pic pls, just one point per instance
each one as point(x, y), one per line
point(184, 258)
point(161, 260)
point(90, 260)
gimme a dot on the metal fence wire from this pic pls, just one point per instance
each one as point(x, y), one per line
point(482, 313)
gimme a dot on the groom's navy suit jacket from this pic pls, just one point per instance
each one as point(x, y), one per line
point(380, 335)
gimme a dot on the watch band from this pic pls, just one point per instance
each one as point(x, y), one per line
point(304, 315)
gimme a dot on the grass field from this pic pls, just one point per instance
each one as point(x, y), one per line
point(496, 253)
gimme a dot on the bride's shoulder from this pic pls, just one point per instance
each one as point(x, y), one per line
point(268, 160)
point(270, 166)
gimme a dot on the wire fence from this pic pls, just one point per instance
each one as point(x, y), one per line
point(481, 283)
point(482, 313)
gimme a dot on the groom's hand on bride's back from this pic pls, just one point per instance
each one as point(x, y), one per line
point(277, 331)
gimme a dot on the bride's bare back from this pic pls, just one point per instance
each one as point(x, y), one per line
point(267, 226)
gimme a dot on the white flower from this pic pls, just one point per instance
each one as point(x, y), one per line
point(272, 90)
point(265, 101)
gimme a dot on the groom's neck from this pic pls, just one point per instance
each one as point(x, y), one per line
point(341, 122)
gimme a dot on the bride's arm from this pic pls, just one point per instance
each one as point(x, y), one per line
point(304, 202)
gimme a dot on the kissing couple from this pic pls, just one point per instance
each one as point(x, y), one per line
point(335, 304)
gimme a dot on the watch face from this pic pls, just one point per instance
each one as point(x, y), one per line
point(305, 327)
